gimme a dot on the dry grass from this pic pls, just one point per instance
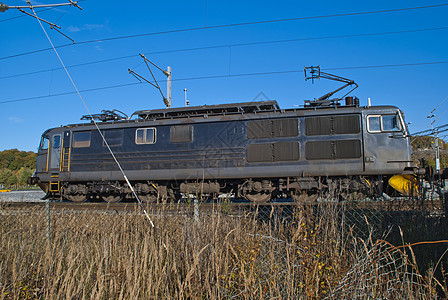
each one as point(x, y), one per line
point(103, 256)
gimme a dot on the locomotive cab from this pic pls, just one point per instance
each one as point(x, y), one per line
point(386, 143)
point(49, 160)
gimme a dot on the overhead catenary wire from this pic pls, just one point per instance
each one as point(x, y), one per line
point(440, 129)
point(423, 120)
point(95, 123)
point(441, 115)
point(432, 111)
point(232, 25)
point(226, 75)
point(232, 45)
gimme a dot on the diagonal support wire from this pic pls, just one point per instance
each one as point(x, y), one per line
point(4, 7)
point(156, 84)
point(140, 78)
point(153, 77)
point(36, 17)
point(95, 123)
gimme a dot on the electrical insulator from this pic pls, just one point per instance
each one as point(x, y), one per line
point(3, 7)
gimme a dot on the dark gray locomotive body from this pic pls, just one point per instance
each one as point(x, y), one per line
point(251, 150)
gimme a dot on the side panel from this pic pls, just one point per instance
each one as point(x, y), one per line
point(332, 145)
point(212, 146)
point(226, 149)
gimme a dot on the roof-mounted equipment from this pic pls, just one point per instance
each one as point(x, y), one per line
point(315, 73)
point(209, 110)
point(107, 115)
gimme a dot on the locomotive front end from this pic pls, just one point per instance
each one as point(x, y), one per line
point(387, 145)
point(48, 161)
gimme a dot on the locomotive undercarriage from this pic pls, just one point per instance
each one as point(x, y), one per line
point(300, 189)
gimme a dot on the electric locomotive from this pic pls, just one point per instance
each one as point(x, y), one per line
point(254, 150)
point(251, 150)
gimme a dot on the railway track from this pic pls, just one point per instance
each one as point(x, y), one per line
point(233, 208)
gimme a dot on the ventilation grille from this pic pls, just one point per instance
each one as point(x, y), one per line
point(332, 125)
point(272, 152)
point(181, 134)
point(272, 128)
point(342, 149)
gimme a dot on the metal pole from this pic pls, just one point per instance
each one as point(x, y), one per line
point(47, 209)
point(168, 86)
point(436, 145)
point(196, 210)
point(187, 103)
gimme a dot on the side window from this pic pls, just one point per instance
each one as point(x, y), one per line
point(374, 123)
point(81, 139)
point(181, 134)
point(383, 123)
point(391, 123)
point(45, 142)
point(56, 141)
point(145, 136)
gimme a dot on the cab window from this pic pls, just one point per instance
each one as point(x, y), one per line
point(56, 141)
point(383, 123)
point(391, 123)
point(374, 123)
point(44, 142)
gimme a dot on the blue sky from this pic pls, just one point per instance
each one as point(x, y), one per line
point(343, 45)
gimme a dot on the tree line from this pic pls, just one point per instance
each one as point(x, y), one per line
point(16, 166)
point(423, 147)
point(427, 142)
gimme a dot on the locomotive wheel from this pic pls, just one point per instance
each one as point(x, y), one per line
point(77, 198)
point(111, 198)
point(258, 197)
point(148, 198)
point(302, 198)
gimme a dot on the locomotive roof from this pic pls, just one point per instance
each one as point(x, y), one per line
point(257, 107)
point(232, 109)
point(243, 107)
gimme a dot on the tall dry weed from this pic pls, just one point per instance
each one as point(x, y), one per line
point(94, 255)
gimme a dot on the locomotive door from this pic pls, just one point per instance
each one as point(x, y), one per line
point(55, 152)
point(65, 160)
point(386, 144)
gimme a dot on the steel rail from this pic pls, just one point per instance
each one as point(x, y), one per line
point(394, 205)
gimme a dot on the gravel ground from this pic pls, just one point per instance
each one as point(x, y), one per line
point(22, 196)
